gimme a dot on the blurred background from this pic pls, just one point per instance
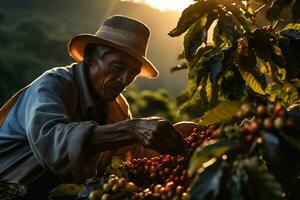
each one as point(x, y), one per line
point(34, 35)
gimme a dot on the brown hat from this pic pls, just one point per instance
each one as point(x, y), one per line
point(122, 33)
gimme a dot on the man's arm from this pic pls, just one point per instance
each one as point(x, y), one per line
point(154, 133)
point(67, 147)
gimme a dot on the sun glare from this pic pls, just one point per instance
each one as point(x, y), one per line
point(163, 5)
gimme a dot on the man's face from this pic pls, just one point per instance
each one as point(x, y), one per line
point(109, 76)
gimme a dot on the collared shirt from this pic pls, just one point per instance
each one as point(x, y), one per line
point(46, 129)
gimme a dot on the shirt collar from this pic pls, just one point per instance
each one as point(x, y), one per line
point(87, 104)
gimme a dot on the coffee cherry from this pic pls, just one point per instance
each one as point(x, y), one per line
point(239, 115)
point(153, 175)
point(277, 109)
point(153, 169)
point(131, 186)
point(94, 195)
point(196, 130)
point(217, 133)
point(179, 190)
point(184, 196)
point(106, 187)
point(167, 170)
point(112, 181)
point(261, 110)
point(105, 197)
point(162, 191)
point(157, 188)
point(249, 138)
point(268, 123)
point(246, 109)
point(279, 123)
point(115, 188)
point(170, 186)
point(254, 126)
point(290, 123)
point(122, 182)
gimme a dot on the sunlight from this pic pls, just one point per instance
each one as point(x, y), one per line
point(163, 5)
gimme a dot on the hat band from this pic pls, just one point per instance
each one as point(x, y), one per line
point(123, 38)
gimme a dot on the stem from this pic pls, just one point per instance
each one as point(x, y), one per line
point(274, 26)
point(259, 9)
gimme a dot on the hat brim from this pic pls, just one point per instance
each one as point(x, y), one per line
point(79, 42)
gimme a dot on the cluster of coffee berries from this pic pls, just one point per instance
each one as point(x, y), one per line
point(114, 186)
point(159, 169)
point(276, 118)
point(197, 137)
point(159, 177)
point(165, 176)
point(170, 190)
point(263, 117)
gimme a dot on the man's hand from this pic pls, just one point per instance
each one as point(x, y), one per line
point(158, 134)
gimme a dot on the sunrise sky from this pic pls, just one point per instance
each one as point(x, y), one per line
point(164, 5)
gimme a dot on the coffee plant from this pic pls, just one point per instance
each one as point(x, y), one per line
point(243, 88)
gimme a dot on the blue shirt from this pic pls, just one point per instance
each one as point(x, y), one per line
point(47, 127)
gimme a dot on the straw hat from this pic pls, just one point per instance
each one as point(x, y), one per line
point(125, 34)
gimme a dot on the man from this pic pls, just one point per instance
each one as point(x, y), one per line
point(65, 124)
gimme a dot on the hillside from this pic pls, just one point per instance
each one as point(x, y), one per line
point(34, 36)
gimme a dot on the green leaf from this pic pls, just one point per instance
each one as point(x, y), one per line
point(182, 98)
point(285, 93)
point(206, 186)
point(233, 85)
point(197, 34)
point(239, 13)
point(279, 158)
point(209, 89)
point(190, 15)
point(276, 9)
point(291, 56)
point(238, 180)
point(263, 184)
point(252, 82)
point(264, 46)
point(198, 72)
point(195, 59)
point(224, 111)
point(113, 168)
point(296, 11)
point(216, 67)
point(224, 32)
point(293, 141)
point(194, 79)
point(179, 67)
point(211, 151)
point(291, 31)
point(67, 190)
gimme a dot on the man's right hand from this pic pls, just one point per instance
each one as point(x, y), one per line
point(158, 134)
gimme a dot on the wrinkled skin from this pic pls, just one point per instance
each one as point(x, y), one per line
point(159, 134)
point(111, 75)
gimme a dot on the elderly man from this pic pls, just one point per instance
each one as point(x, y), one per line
point(67, 123)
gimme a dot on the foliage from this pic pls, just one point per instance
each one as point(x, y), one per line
point(236, 159)
point(252, 60)
point(244, 60)
point(153, 103)
point(258, 159)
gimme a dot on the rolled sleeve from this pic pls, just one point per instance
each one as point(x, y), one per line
point(56, 142)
